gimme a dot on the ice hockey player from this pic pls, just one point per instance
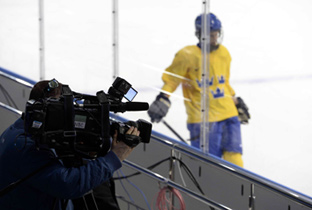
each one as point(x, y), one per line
point(224, 124)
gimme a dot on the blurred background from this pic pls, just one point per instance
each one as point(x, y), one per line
point(269, 42)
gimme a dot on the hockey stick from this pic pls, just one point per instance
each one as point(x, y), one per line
point(173, 131)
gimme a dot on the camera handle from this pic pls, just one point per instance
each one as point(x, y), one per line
point(69, 129)
point(105, 124)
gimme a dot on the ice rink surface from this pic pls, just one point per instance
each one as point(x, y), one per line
point(270, 43)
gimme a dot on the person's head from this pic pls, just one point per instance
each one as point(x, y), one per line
point(46, 89)
point(215, 27)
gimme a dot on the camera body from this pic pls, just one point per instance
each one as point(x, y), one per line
point(122, 127)
point(79, 124)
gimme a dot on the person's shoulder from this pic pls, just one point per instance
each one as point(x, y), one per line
point(189, 50)
point(222, 50)
point(19, 123)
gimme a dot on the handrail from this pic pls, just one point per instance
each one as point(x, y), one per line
point(17, 78)
point(11, 109)
point(175, 185)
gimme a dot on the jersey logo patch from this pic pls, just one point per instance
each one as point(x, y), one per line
point(210, 82)
point(218, 93)
point(221, 79)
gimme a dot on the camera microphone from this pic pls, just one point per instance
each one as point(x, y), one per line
point(129, 106)
point(136, 106)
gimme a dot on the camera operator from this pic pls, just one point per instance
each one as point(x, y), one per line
point(47, 183)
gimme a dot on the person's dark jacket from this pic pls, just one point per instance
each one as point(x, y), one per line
point(20, 157)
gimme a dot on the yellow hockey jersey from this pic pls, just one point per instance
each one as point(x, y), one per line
point(186, 69)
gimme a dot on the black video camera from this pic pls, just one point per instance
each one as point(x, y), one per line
point(80, 124)
point(131, 140)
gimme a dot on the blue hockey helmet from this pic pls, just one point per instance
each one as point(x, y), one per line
point(215, 23)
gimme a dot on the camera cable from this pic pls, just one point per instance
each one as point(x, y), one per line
point(183, 165)
point(142, 193)
point(162, 200)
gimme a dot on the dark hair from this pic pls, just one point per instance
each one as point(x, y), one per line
point(44, 89)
